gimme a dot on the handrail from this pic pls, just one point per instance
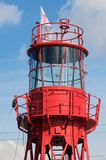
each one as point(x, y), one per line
point(55, 65)
point(91, 112)
point(23, 105)
point(93, 105)
point(55, 31)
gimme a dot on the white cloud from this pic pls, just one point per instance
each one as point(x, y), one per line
point(91, 15)
point(9, 14)
point(8, 149)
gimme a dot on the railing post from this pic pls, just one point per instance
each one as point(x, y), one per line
point(88, 114)
point(27, 98)
point(97, 111)
point(39, 32)
point(17, 107)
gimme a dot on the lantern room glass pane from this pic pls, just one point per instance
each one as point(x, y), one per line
point(56, 66)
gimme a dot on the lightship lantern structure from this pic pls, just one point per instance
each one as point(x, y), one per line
point(57, 114)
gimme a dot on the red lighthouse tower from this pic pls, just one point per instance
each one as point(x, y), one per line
point(57, 114)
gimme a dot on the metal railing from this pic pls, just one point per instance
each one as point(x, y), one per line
point(58, 31)
point(23, 106)
point(93, 107)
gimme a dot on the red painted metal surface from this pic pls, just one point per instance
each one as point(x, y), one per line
point(57, 114)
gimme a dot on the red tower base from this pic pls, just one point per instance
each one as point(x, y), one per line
point(57, 121)
point(57, 143)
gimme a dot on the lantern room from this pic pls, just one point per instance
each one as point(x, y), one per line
point(57, 56)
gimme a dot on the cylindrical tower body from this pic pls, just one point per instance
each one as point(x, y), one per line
point(59, 113)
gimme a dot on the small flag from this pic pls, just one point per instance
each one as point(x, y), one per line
point(44, 18)
point(46, 28)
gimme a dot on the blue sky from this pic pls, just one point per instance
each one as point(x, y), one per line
point(16, 21)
